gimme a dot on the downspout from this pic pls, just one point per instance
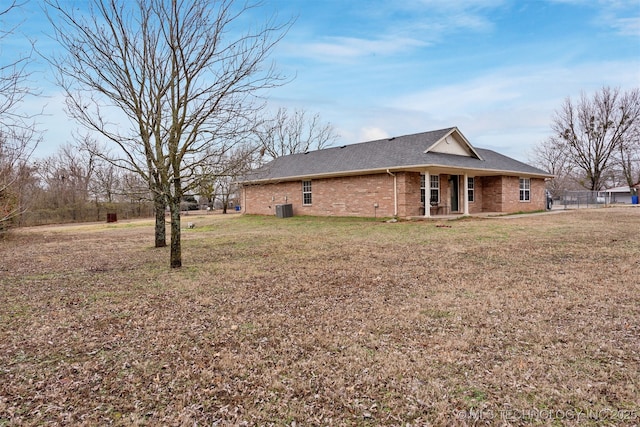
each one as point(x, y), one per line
point(395, 193)
point(244, 199)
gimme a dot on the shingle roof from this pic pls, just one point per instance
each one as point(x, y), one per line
point(385, 154)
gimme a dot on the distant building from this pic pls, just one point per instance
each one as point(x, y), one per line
point(617, 194)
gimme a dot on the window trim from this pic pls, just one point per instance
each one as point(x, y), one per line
point(471, 189)
point(307, 192)
point(525, 190)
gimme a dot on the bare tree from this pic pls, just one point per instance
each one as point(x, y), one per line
point(164, 81)
point(18, 136)
point(207, 191)
point(13, 76)
point(219, 175)
point(106, 183)
point(594, 129)
point(293, 132)
point(16, 176)
point(134, 189)
point(551, 155)
point(66, 176)
point(229, 169)
point(629, 155)
point(104, 179)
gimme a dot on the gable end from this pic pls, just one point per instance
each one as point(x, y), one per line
point(454, 143)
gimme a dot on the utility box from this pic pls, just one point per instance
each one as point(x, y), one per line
point(284, 211)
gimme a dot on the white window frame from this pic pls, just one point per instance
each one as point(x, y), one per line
point(434, 186)
point(471, 187)
point(306, 193)
point(525, 189)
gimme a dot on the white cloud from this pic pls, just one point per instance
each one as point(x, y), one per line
point(372, 134)
point(461, 4)
point(627, 26)
point(621, 15)
point(448, 17)
point(531, 87)
point(400, 27)
point(333, 48)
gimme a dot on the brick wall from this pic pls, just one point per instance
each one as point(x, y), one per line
point(373, 195)
point(262, 199)
point(538, 193)
point(502, 194)
point(409, 194)
point(491, 193)
point(476, 206)
point(511, 195)
point(344, 196)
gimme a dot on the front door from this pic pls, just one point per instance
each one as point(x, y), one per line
point(453, 186)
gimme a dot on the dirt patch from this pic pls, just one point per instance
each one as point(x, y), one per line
point(324, 321)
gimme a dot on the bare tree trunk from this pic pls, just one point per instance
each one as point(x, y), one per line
point(161, 231)
point(176, 248)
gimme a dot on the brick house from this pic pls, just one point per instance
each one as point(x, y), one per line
point(427, 174)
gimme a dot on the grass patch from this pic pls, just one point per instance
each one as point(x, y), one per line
point(322, 321)
point(436, 314)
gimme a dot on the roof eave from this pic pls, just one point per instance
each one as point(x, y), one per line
point(395, 170)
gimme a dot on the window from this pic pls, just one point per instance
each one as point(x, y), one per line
point(434, 187)
point(422, 190)
point(306, 192)
point(525, 189)
point(470, 189)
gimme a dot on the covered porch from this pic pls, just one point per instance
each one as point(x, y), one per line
point(446, 192)
point(443, 194)
point(441, 191)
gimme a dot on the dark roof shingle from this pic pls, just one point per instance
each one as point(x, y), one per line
point(392, 153)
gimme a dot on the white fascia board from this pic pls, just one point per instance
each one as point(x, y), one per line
point(462, 137)
point(471, 171)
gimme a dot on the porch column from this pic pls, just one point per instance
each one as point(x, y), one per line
point(465, 196)
point(427, 194)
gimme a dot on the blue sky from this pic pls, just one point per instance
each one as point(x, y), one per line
point(497, 69)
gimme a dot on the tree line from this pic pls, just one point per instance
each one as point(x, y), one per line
point(75, 184)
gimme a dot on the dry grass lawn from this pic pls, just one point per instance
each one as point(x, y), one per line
point(325, 321)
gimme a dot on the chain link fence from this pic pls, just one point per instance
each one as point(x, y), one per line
point(84, 212)
point(581, 199)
